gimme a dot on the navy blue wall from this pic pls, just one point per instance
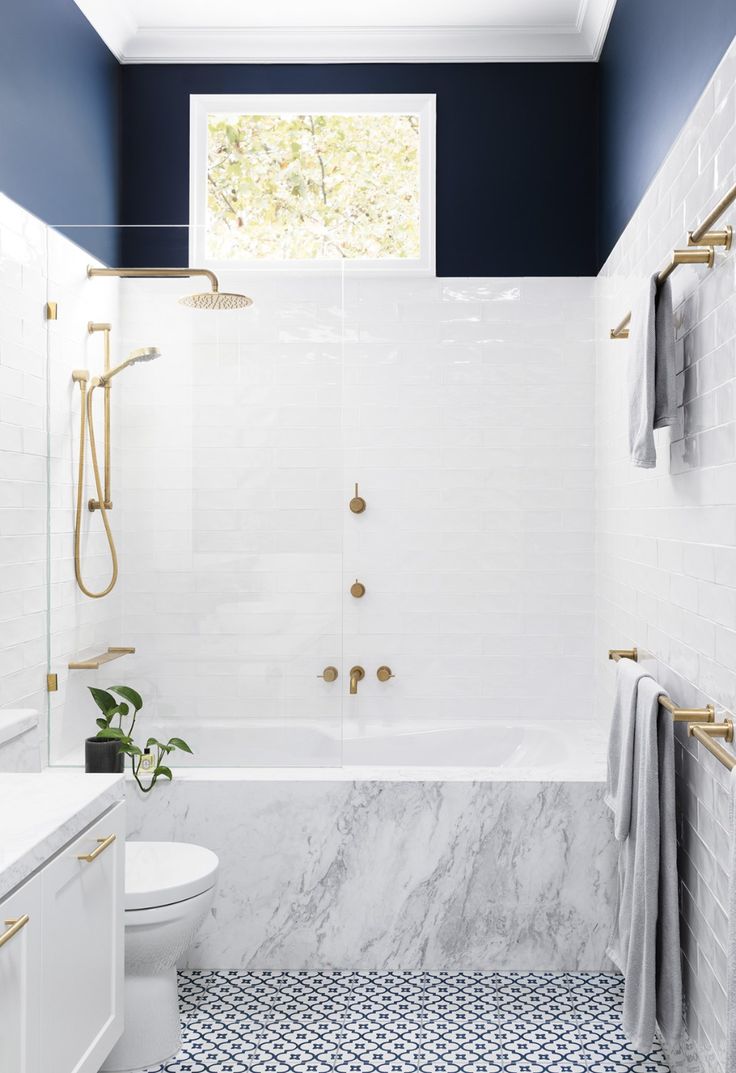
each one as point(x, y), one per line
point(516, 154)
point(658, 57)
point(59, 111)
point(539, 166)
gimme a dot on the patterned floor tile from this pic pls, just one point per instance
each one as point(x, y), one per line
point(412, 1022)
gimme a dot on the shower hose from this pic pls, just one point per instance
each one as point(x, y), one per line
point(86, 419)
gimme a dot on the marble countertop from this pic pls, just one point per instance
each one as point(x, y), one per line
point(41, 811)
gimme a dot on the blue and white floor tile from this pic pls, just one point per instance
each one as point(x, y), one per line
point(412, 1022)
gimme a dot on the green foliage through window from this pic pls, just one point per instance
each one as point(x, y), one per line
point(312, 187)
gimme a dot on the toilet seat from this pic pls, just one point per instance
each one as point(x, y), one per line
point(163, 873)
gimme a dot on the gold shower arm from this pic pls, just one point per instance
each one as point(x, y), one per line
point(155, 273)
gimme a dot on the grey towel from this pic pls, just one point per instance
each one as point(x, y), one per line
point(621, 745)
point(652, 387)
point(646, 940)
point(731, 949)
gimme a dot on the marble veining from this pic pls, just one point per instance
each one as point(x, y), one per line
point(41, 811)
point(395, 875)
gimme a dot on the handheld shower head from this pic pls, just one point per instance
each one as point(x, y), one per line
point(146, 353)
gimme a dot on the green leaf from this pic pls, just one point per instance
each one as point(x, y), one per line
point(102, 723)
point(179, 743)
point(104, 700)
point(113, 732)
point(165, 772)
point(130, 695)
point(153, 741)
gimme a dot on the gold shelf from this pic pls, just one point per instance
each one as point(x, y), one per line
point(91, 664)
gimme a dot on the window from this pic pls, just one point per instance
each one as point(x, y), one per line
point(310, 181)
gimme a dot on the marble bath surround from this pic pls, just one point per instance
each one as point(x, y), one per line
point(327, 871)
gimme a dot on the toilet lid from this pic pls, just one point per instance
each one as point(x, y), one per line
point(161, 873)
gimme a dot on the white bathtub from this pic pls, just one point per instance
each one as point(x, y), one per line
point(570, 751)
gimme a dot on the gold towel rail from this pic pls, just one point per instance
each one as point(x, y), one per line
point(705, 256)
point(706, 734)
point(94, 662)
point(700, 236)
point(679, 715)
point(697, 236)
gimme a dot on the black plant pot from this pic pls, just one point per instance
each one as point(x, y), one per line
point(102, 756)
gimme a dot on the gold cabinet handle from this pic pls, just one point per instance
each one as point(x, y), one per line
point(103, 844)
point(357, 503)
point(15, 927)
point(384, 673)
point(329, 674)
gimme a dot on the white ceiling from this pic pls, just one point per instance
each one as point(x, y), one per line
point(332, 31)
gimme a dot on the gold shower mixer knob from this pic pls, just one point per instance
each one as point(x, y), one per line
point(357, 503)
point(384, 673)
point(329, 674)
point(357, 589)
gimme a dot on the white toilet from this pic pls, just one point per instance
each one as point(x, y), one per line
point(169, 887)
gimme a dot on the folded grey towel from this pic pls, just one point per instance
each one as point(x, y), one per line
point(645, 944)
point(621, 745)
point(652, 385)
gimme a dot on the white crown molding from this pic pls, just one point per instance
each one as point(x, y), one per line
point(113, 22)
point(424, 44)
point(355, 45)
point(595, 18)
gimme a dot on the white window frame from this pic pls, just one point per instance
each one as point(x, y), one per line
point(421, 104)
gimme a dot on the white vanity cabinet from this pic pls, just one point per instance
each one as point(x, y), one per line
point(20, 978)
point(61, 974)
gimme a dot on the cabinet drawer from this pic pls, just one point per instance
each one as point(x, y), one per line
point(20, 978)
point(83, 917)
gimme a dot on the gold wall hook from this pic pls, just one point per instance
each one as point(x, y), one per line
point(357, 674)
point(329, 674)
point(384, 673)
point(357, 503)
point(357, 589)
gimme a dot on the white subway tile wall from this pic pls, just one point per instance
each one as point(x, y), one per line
point(78, 626)
point(22, 459)
point(666, 538)
point(462, 408)
point(37, 477)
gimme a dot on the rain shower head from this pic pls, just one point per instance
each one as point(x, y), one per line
point(216, 300)
point(146, 353)
point(213, 299)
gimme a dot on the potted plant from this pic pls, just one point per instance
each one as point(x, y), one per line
point(106, 751)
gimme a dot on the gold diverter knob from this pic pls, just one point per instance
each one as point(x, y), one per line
point(329, 674)
point(384, 673)
point(357, 589)
point(357, 503)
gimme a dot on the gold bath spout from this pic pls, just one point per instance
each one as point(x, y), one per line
point(357, 674)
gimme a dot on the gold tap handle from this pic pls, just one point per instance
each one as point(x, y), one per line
point(357, 503)
point(103, 844)
point(14, 928)
point(329, 674)
point(384, 673)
